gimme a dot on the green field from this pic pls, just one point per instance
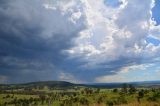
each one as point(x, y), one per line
point(79, 96)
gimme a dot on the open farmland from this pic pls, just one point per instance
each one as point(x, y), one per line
point(68, 94)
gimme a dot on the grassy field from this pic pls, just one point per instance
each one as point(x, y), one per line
point(80, 96)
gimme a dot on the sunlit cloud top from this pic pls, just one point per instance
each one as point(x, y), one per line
point(79, 40)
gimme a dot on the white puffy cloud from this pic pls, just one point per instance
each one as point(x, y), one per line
point(78, 36)
point(115, 34)
point(155, 31)
point(119, 32)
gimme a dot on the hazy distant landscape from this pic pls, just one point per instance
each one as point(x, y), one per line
point(60, 93)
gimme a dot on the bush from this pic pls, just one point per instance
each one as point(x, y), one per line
point(151, 99)
point(154, 97)
point(110, 103)
point(115, 90)
point(141, 94)
point(100, 99)
point(84, 101)
point(121, 100)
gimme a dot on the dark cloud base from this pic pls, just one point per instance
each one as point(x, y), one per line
point(31, 45)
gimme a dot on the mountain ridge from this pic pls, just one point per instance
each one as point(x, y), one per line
point(65, 84)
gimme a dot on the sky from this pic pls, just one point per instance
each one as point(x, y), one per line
point(80, 41)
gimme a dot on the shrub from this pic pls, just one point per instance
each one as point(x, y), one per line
point(141, 94)
point(115, 90)
point(84, 101)
point(110, 103)
point(121, 100)
point(100, 99)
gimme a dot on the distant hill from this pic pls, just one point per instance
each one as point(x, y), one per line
point(40, 84)
point(50, 84)
point(64, 84)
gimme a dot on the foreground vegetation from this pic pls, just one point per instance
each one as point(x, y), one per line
point(126, 95)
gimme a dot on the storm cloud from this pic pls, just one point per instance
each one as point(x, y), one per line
point(74, 40)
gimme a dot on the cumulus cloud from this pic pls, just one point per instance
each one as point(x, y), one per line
point(117, 37)
point(33, 33)
point(45, 40)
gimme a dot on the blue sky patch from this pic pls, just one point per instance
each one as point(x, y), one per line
point(154, 41)
point(112, 3)
point(156, 12)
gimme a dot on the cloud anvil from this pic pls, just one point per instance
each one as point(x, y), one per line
point(79, 40)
